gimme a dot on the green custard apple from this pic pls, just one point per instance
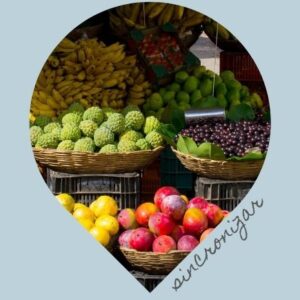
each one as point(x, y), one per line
point(94, 114)
point(35, 133)
point(85, 144)
point(57, 133)
point(66, 145)
point(47, 140)
point(131, 135)
point(109, 148)
point(103, 136)
point(129, 108)
point(134, 120)
point(116, 123)
point(72, 117)
point(154, 139)
point(151, 123)
point(88, 128)
point(107, 112)
point(142, 144)
point(127, 146)
point(51, 126)
point(70, 132)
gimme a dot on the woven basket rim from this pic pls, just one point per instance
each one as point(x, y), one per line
point(151, 253)
point(207, 160)
point(49, 150)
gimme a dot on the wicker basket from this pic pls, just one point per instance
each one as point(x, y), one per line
point(154, 263)
point(93, 163)
point(221, 169)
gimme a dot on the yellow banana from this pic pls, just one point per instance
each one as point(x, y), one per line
point(53, 61)
point(137, 88)
point(156, 10)
point(64, 84)
point(110, 83)
point(57, 96)
point(196, 19)
point(81, 55)
point(67, 43)
point(59, 79)
point(52, 103)
point(69, 100)
point(73, 92)
point(49, 113)
point(148, 7)
point(178, 12)
point(136, 101)
point(135, 12)
point(81, 76)
point(140, 79)
point(136, 95)
point(166, 15)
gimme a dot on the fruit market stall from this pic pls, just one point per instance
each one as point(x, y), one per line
point(110, 135)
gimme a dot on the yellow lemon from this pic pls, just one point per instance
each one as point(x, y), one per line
point(108, 223)
point(101, 235)
point(104, 205)
point(86, 223)
point(83, 213)
point(79, 205)
point(66, 201)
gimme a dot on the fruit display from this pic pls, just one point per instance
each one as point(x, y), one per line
point(99, 218)
point(91, 73)
point(200, 88)
point(223, 139)
point(97, 130)
point(170, 223)
point(147, 15)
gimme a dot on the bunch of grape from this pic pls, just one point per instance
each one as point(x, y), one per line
point(234, 138)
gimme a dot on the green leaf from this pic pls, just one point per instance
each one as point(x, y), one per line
point(168, 132)
point(181, 146)
point(191, 145)
point(177, 119)
point(251, 155)
point(240, 112)
point(211, 151)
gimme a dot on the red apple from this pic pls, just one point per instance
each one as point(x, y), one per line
point(177, 232)
point(205, 233)
point(214, 214)
point(141, 239)
point(163, 192)
point(124, 238)
point(187, 243)
point(173, 206)
point(161, 224)
point(126, 219)
point(163, 244)
point(198, 202)
point(195, 221)
point(144, 211)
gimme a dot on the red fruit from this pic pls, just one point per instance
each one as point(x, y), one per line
point(178, 232)
point(141, 239)
point(225, 213)
point(187, 243)
point(163, 192)
point(205, 233)
point(214, 214)
point(163, 244)
point(161, 224)
point(198, 202)
point(126, 219)
point(195, 221)
point(173, 206)
point(144, 211)
point(124, 238)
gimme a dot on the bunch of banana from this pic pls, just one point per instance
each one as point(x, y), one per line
point(211, 27)
point(145, 15)
point(86, 71)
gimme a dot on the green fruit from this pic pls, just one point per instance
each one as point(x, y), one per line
point(151, 123)
point(184, 106)
point(174, 87)
point(162, 91)
point(183, 96)
point(116, 123)
point(227, 75)
point(191, 84)
point(222, 101)
point(42, 121)
point(220, 89)
point(155, 101)
point(51, 126)
point(218, 79)
point(73, 117)
point(209, 102)
point(95, 114)
point(159, 114)
point(206, 87)
point(107, 112)
point(244, 92)
point(169, 96)
point(47, 140)
point(110, 148)
point(129, 108)
point(70, 132)
point(181, 76)
point(88, 128)
point(199, 71)
point(131, 135)
point(233, 85)
point(142, 144)
point(233, 95)
point(57, 133)
point(154, 139)
point(134, 120)
point(196, 96)
point(256, 100)
point(146, 106)
point(76, 107)
point(85, 144)
point(150, 113)
point(66, 145)
point(127, 146)
point(103, 136)
point(35, 133)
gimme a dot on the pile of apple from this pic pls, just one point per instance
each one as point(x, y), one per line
point(172, 222)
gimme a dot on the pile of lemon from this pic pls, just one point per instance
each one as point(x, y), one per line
point(98, 218)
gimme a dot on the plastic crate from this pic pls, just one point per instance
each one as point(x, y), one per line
point(124, 188)
point(150, 181)
point(150, 282)
point(242, 65)
point(226, 194)
point(173, 173)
